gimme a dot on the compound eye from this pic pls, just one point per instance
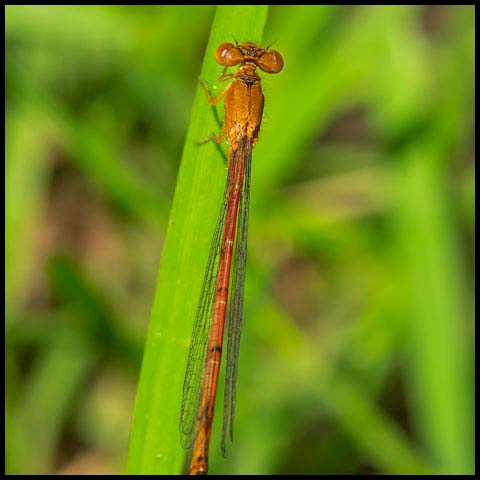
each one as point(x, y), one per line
point(271, 62)
point(228, 54)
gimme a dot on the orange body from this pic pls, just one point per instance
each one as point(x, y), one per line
point(214, 353)
point(243, 116)
point(243, 108)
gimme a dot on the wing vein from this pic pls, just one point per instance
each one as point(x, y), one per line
point(193, 382)
point(235, 303)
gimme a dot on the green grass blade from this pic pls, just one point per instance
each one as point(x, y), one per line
point(45, 405)
point(441, 351)
point(155, 442)
point(25, 183)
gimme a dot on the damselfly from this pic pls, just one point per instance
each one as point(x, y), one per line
point(243, 116)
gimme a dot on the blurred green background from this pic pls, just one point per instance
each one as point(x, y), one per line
point(358, 340)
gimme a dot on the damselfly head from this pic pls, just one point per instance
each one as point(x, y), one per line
point(269, 61)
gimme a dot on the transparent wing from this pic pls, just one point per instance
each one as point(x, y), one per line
point(193, 382)
point(235, 300)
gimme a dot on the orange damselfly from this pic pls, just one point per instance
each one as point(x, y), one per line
point(243, 115)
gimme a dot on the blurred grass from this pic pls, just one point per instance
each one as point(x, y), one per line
point(441, 352)
point(24, 191)
point(357, 348)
